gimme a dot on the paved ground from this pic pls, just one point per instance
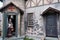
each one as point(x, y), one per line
point(12, 38)
point(51, 38)
point(47, 38)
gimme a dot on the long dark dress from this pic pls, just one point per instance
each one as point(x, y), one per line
point(10, 30)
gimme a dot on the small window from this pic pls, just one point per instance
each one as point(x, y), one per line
point(30, 19)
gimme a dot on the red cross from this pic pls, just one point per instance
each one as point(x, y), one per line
point(11, 8)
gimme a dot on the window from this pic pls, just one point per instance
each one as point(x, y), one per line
point(30, 23)
point(30, 19)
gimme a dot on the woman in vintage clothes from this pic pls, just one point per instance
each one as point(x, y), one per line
point(10, 28)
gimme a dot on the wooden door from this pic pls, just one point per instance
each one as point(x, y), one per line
point(51, 25)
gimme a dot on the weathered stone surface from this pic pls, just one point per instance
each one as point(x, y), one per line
point(39, 19)
point(19, 3)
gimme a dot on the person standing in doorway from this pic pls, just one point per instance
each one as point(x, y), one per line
point(10, 28)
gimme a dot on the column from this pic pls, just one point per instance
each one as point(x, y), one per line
point(22, 25)
point(19, 25)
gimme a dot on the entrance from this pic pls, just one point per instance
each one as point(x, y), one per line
point(11, 25)
point(51, 25)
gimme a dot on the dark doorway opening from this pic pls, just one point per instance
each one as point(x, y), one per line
point(11, 26)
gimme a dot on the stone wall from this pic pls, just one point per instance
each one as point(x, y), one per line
point(19, 3)
point(38, 19)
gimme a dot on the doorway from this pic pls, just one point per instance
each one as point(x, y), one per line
point(11, 29)
point(51, 25)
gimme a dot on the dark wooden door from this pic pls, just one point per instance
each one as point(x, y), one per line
point(51, 25)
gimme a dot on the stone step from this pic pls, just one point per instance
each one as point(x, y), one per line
point(14, 38)
point(51, 38)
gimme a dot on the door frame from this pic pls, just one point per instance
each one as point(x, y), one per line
point(16, 33)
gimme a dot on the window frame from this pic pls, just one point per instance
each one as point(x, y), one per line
point(28, 20)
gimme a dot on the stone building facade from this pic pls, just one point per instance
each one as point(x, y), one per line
point(36, 19)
